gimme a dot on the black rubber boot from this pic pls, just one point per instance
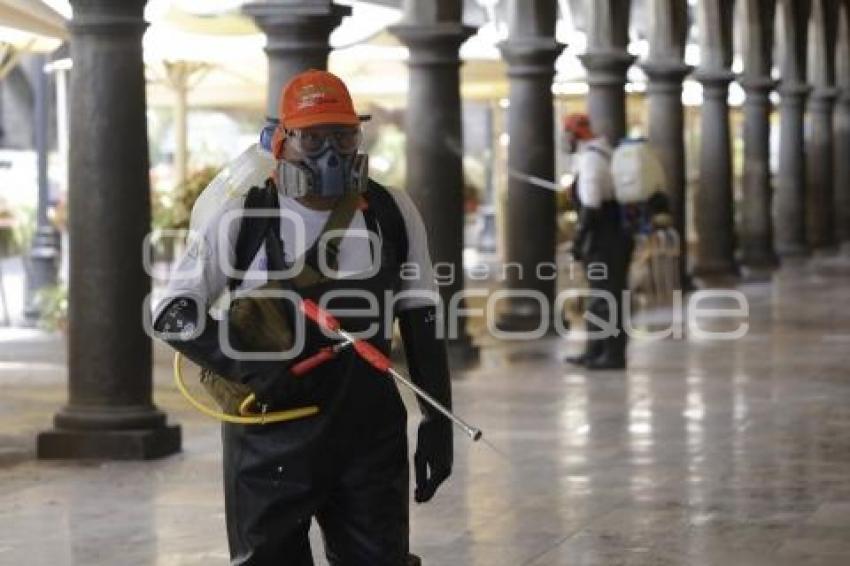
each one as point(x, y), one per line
point(593, 349)
point(607, 361)
point(580, 360)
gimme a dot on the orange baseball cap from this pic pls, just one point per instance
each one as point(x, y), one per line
point(579, 125)
point(316, 97)
point(313, 98)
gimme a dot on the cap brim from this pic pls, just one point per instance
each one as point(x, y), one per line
point(321, 120)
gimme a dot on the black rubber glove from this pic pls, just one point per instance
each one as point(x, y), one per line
point(429, 369)
point(432, 462)
point(179, 322)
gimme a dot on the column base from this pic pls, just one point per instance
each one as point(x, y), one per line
point(715, 269)
point(512, 321)
point(794, 262)
point(144, 444)
point(523, 321)
point(759, 261)
point(792, 250)
point(463, 353)
point(716, 281)
point(826, 250)
point(757, 274)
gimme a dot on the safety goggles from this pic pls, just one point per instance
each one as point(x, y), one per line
point(314, 141)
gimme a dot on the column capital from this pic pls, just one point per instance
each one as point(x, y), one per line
point(434, 43)
point(793, 92)
point(757, 86)
point(822, 99)
point(108, 17)
point(714, 79)
point(606, 67)
point(529, 56)
point(825, 93)
point(296, 26)
point(671, 71)
point(844, 96)
point(269, 12)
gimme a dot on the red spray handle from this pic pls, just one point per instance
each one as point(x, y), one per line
point(364, 349)
point(373, 356)
point(319, 315)
point(317, 359)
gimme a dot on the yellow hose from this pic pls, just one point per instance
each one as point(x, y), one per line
point(246, 417)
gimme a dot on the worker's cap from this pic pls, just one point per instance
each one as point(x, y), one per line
point(578, 124)
point(314, 98)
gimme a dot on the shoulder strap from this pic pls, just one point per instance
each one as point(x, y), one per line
point(253, 229)
point(600, 151)
point(389, 217)
point(339, 220)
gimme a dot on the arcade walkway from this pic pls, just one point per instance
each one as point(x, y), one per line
point(703, 453)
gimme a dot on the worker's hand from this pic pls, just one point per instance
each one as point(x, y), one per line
point(433, 459)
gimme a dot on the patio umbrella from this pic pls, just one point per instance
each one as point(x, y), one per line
point(27, 26)
point(34, 17)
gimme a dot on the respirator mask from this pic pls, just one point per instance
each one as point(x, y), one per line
point(330, 164)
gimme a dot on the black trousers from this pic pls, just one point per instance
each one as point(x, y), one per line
point(349, 470)
point(609, 245)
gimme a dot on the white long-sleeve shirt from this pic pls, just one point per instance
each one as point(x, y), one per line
point(201, 272)
point(595, 182)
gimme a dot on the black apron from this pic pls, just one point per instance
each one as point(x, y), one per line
point(346, 466)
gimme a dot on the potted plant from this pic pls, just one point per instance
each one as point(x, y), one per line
point(172, 210)
point(52, 303)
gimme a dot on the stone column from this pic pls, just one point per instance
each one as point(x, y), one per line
point(756, 226)
point(297, 34)
point(820, 229)
point(607, 62)
point(110, 413)
point(665, 68)
point(433, 32)
point(530, 53)
point(842, 128)
point(713, 206)
point(789, 199)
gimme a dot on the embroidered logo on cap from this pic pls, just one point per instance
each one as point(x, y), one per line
point(313, 95)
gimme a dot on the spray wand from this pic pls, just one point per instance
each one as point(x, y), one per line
point(380, 362)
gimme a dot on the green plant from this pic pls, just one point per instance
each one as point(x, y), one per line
point(8, 245)
point(182, 199)
point(16, 230)
point(161, 210)
point(173, 209)
point(52, 303)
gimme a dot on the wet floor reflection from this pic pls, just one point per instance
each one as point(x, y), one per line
point(703, 453)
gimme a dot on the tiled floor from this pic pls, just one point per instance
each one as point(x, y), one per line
point(731, 453)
